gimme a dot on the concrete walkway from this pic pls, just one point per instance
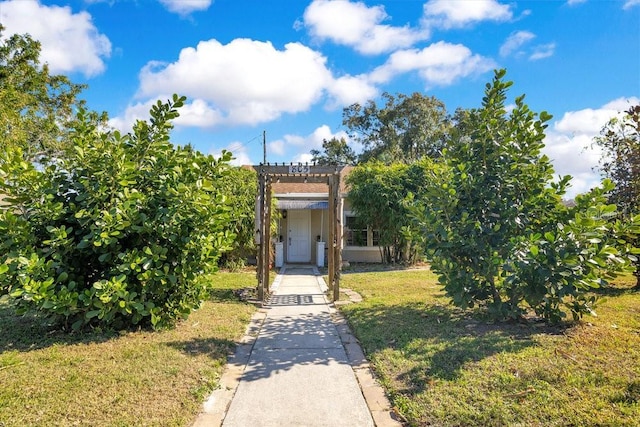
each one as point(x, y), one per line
point(298, 365)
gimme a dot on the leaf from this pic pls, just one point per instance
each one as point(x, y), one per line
point(77, 325)
point(91, 314)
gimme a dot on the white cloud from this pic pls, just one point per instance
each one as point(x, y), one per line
point(574, 2)
point(569, 143)
point(356, 25)
point(590, 121)
point(70, 41)
point(347, 90)
point(196, 113)
point(134, 112)
point(630, 3)
point(543, 51)
point(573, 155)
point(297, 147)
point(185, 7)
point(461, 13)
point(514, 46)
point(243, 82)
point(515, 41)
point(438, 64)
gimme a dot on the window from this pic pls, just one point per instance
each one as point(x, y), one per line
point(358, 234)
point(375, 237)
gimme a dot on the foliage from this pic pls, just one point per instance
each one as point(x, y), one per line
point(118, 232)
point(406, 129)
point(376, 193)
point(241, 186)
point(335, 152)
point(620, 162)
point(497, 230)
point(34, 105)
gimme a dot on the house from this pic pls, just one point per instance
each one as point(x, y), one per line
point(303, 228)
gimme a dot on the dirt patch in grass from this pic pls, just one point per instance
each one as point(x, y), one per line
point(103, 378)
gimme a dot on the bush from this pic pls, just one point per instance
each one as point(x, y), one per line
point(496, 229)
point(241, 184)
point(119, 231)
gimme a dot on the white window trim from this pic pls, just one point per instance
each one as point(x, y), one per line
point(346, 247)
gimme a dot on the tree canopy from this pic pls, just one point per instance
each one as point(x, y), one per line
point(334, 152)
point(620, 162)
point(376, 194)
point(405, 129)
point(35, 106)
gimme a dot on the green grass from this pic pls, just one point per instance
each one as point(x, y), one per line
point(442, 366)
point(51, 378)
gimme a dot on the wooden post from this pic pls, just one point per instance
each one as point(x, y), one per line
point(261, 215)
point(267, 236)
point(337, 224)
point(331, 261)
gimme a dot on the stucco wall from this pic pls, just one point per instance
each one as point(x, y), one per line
point(357, 254)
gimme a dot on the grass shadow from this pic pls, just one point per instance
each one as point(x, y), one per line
point(438, 340)
point(223, 294)
point(215, 348)
point(32, 331)
point(616, 291)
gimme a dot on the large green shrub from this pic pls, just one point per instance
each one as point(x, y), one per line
point(241, 184)
point(497, 230)
point(376, 194)
point(121, 230)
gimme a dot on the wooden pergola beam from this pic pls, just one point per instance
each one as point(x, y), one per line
point(297, 169)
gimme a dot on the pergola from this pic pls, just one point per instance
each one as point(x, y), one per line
point(298, 173)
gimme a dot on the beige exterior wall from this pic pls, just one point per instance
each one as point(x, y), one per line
point(358, 254)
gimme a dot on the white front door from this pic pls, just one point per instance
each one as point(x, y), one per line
point(299, 222)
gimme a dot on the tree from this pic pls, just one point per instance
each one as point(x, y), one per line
point(334, 152)
point(376, 194)
point(241, 186)
point(406, 129)
point(120, 231)
point(495, 226)
point(620, 162)
point(35, 107)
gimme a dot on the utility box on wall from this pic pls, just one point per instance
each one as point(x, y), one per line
point(320, 254)
point(279, 255)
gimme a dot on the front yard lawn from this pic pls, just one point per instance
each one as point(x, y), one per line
point(101, 378)
point(445, 367)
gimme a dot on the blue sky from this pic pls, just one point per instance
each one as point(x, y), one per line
point(288, 67)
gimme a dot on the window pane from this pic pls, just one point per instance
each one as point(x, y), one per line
point(354, 234)
point(376, 238)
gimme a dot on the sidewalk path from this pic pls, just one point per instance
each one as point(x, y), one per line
point(298, 366)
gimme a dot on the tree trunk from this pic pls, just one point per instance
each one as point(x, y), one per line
point(496, 295)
